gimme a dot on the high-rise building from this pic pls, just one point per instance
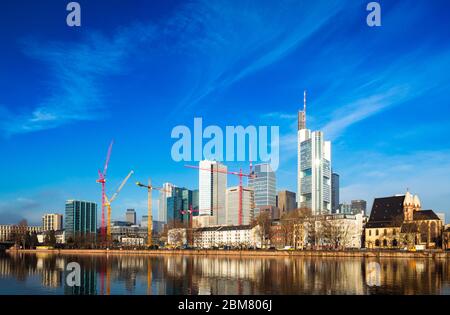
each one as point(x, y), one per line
point(178, 204)
point(163, 195)
point(286, 201)
point(359, 206)
point(334, 193)
point(144, 221)
point(212, 192)
point(314, 168)
point(264, 185)
point(80, 218)
point(345, 208)
point(52, 222)
point(248, 205)
point(130, 216)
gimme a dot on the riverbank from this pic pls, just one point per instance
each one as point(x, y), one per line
point(245, 253)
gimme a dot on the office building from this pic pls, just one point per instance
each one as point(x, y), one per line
point(212, 193)
point(163, 195)
point(178, 205)
point(359, 206)
point(130, 216)
point(80, 218)
point(52, 222)
point(232, 206)
point(286, 201)
point(335, 193)
point(144, 221)
point(314, 168)
point(264, 185)
point(345, 208)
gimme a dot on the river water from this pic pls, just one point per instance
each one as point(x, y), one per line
point(140, 274)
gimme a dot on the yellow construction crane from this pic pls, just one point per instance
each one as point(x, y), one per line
point(108, 203)
point(149, 188)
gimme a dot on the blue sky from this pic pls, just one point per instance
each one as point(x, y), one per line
point(136, 69)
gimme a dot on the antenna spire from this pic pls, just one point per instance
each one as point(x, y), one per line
point(302, 114)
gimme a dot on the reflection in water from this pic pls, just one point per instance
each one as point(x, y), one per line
point(140, 274)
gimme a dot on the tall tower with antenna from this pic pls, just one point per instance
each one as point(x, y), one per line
point(302, 114)
point(314, 167)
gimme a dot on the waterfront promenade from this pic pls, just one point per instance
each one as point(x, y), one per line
point(248, 253)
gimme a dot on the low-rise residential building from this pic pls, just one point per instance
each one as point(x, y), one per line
point(7, 231)
point(233, 236)
point(132, 241)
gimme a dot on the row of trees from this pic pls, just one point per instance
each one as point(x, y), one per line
point(300, 228)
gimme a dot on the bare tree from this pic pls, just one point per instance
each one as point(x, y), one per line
point(264, 221)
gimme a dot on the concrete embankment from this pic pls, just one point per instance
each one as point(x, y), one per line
point(246, 253)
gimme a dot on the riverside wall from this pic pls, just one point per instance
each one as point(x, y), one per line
point(247, 253)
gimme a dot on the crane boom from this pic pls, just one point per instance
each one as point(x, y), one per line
point(108, 156)
point(121, 186)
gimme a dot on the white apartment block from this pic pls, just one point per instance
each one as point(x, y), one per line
point(52, 222)
point(232, 205)
point(233, 236)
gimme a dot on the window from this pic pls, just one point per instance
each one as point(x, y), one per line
point(385, 232)
point(370, 232)
point(394, 232)
point(376, 232)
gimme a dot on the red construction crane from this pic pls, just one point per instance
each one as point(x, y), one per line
point(102, 180)
point(240, 174)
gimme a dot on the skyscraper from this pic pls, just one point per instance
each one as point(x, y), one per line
point(212, 192)
point(163, 195)
point(264, 185)
point(178, 204)
point(314, 168)
point(52, 222)
point(232, 213)
point(286, 201)
point(80, 218)
point(359, 206)
point(130, 216)
point(334, 193)
point(144, 221)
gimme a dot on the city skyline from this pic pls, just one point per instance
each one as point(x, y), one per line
point(379, 95)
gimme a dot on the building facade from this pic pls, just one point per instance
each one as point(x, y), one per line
point(400, 222)
point(232, 205)
point(80, 218)
point(335, 191)
point(314, 169)
point(130, 216)
point(359, 206)
point(7, 231)
point(212, 193)
point(286, 201)
point(163, 195)
point(243, 236)
point(264, 185)
point(52, 222)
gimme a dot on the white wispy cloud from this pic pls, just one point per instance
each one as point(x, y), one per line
point(76, 72)
point(236, 39)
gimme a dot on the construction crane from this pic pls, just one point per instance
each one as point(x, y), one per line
point(240, 174)
point(108, 203)
point(102, 180)
point(150, 188)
